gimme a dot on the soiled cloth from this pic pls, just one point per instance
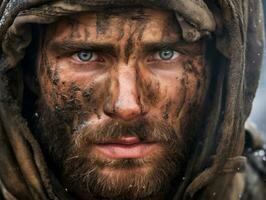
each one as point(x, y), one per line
point(218, 166)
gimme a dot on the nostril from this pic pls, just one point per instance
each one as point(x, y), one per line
point(110, 113)
point(125, 110)
point(109, 109)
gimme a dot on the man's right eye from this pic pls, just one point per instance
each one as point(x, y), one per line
point(85, 56)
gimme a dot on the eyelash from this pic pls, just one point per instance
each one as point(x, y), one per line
point(98, 58)
point(154, 55)
point(158, 54)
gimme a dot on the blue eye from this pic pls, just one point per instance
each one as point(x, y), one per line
point(85, 56)
point(166, 54)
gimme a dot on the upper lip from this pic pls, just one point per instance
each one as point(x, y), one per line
point(126, 140)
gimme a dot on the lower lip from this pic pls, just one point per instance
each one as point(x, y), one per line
point(117, 151)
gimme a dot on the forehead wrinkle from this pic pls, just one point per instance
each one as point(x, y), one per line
point(128, 49)
point(160, 33)
point(130, 40)
point(139, 31)
point(102, 22)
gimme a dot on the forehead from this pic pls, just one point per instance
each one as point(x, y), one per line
point(151, 23)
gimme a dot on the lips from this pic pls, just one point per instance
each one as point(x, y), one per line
point(126, 147)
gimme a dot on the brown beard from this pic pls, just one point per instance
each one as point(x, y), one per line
point(68, 150)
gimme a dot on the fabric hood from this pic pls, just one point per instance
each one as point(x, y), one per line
point(236, 27)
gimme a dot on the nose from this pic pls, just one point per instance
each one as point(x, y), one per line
point(123, 102)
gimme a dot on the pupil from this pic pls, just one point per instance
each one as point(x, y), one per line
point(166, 54)
point(84, 56)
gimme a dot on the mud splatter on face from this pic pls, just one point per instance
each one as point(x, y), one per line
point(189, 67)
point(84, 100)
point(166, 110)
point(128, 49)
point(150, 91)
point(102, 23)
point(55, 78)
point(73, 24)
point(182, 97)
point(87, 94)
point(169, 28)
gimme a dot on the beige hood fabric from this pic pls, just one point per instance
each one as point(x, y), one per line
point(217, 167)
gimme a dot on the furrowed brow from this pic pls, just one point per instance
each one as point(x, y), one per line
point(70, 46)
point(150, 46)
point(181, 46)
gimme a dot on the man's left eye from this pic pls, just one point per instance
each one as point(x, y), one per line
point(85, 56)
point(166, 54)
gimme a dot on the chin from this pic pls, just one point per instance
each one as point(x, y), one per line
point(126, 178)
point(140, 182)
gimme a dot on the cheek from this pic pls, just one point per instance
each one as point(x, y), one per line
point(74, 99)
point(197, 77)
point(186, 90)
point(48, 79)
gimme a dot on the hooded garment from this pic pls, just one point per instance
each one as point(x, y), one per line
point(218, 167)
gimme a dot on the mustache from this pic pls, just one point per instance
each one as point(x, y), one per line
point(145, 130)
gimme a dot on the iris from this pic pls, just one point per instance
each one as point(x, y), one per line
point(84, 56)
point(166, 54)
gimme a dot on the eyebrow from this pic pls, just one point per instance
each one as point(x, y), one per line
point(151, 46)
point(68, 46)
point(71, 46)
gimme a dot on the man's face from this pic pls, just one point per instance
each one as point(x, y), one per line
point(120, 93)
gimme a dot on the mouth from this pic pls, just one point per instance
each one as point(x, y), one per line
point(126, 147)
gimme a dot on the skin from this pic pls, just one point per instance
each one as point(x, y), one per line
point(125, 83)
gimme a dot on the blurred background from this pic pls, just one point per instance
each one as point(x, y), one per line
point(258, 114)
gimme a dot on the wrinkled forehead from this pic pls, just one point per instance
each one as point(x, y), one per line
point(138, 15)
point(114, 22)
